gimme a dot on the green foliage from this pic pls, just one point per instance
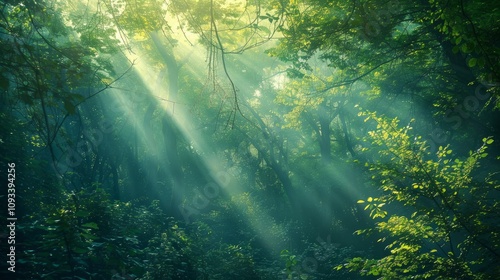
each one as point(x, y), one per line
point(292, 266)
point(231, 262)
point(437, 214)
point(88, 235)
point(318, 261)
point(65, 238)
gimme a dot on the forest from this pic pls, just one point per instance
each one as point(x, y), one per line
point(250, 139)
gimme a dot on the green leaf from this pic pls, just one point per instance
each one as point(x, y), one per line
point(79, 250)
point(90, 225)
point(472, 62)
point(265, 29)
point(88, 236)
point(464, 48)
point(361, 201)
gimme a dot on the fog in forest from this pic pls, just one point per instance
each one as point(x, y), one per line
point(266, 139)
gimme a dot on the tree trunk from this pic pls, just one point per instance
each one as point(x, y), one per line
point(169, 131)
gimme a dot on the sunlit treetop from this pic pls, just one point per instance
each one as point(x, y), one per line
point(366, 36)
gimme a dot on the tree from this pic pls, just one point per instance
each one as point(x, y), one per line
point(438, 213)
point(433, 57)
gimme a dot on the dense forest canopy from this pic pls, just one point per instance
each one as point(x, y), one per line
point(265, 139)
